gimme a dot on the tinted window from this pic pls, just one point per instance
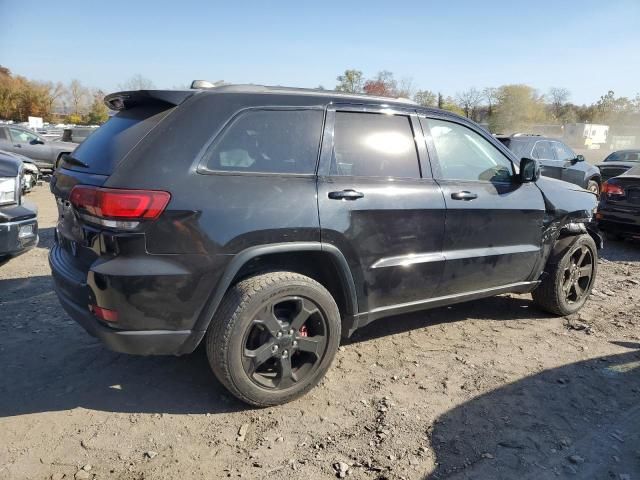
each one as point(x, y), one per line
point(110, 143)
point(269, 141)
point(374, 145)
point(465, 155)
point(521, 148)
point(542, 150)
point(623, 157)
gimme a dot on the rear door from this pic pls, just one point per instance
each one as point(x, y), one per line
point(549, 165)
point(493, 228)
point(380, 205)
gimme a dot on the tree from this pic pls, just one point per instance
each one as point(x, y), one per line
point(383, 85)
point(55, 92)
point(491, 96)
point(404, 88)
point(351, 81)
point(518, 107)
point(137, 82)
point(426, 98)
point(440, 101)
point(469, 101)
point(77, 95)
point(98, 113)
point(559, 98)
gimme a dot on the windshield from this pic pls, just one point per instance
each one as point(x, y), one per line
point(518, 147)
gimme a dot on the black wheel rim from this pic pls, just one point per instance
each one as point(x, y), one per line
point(578, 274)
point(285, 342)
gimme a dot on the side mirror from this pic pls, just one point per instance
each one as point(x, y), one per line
point(579, 158)
point(529, 170)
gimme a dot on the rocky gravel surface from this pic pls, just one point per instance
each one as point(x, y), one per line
point(492, 389)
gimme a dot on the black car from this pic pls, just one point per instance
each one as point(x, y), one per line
point(268, 222)
point(619, 210)
point(557, 160)
point(18, 220)
point(618, 162)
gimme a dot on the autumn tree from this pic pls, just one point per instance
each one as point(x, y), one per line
point(382, 85)
point(77, 96)
point(559, 98)
point(351, 81)
point(98, 113)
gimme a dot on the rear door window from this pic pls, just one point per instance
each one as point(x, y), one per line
point(374, 145)
point(561, 152)
point(103, 150)
point(268, 141)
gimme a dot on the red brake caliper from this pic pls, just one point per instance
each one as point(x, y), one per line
point(303, 331)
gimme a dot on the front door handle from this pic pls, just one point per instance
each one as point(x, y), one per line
point(348, 194)
point(464, 195)
point(17, 145)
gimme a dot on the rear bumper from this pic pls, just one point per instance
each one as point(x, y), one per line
point(71, 289)
point(621, 221)
point(18, 230)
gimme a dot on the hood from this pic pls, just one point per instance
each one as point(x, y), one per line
point(17, 156)
point(566, 200)
point(9, 165)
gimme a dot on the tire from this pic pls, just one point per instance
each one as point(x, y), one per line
point(261, 347)
point(561, 270)
point(594, 187)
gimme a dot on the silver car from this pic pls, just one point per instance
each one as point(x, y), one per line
point(44, 153)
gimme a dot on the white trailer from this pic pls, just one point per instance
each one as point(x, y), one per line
point(586, 135)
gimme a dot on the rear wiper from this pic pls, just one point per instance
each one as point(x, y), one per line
point(74, 161)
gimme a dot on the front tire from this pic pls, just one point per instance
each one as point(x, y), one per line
point(273, 337)
point(569, 278)
point(594, 187)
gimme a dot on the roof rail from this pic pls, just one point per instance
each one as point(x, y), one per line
point(519, 134)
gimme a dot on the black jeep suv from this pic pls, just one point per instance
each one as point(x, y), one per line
point(556, 159)
point(269, 222)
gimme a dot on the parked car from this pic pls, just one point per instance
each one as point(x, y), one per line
point(619, 210)
point(31, 172)
point(77, 134)
point(18, 219)
point(268, 222)
point(557, 160)
point(45, 153)
point(618, 162)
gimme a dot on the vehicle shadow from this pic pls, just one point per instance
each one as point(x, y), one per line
point(621, 250)
point(49, 363)
point(580, 420)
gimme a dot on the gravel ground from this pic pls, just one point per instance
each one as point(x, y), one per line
point(490, 389)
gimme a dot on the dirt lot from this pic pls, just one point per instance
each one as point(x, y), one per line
point(486, 390)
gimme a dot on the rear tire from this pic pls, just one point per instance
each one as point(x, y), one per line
point(569, 278)
point(273, 337)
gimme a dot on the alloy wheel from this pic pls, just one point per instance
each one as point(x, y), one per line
point(578, 274)
point(285, 342)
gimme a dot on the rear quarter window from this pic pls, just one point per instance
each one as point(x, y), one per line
point(105, 148)
point(268, 141)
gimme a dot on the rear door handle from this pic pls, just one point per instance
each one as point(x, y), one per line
point(464, 195)
point(348, 194)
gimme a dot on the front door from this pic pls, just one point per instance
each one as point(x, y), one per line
point(493, 228)
point(29, 144)
point(380, 206)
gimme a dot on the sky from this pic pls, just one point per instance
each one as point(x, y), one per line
point(586, 46)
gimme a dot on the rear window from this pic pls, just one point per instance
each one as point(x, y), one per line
point(520, 148)
point(105, 148)
point(268, 141)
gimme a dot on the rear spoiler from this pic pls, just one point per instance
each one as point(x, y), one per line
point(126, 100)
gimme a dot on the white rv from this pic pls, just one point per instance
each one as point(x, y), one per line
point(586, 135)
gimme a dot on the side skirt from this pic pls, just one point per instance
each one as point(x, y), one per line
point(362, 319)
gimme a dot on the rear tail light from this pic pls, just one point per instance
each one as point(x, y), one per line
point(612, 189)
point(118, 208)
point(104, 313)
